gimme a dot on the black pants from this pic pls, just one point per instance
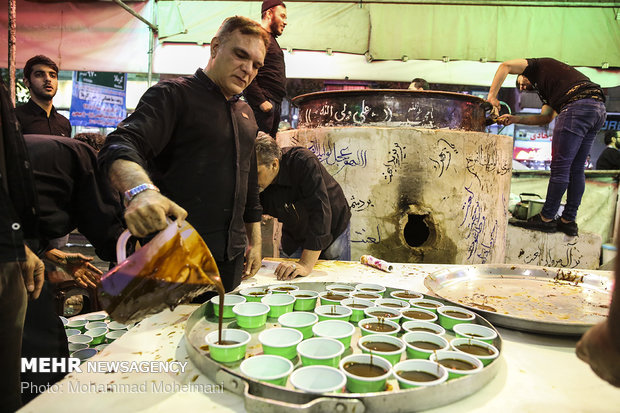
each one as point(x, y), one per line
point(231, 272)
point(13, 301)
point(44, 336)
point(268, 122)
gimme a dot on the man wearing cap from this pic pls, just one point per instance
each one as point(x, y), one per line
point(265, 93)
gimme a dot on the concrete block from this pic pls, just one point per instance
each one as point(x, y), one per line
point(557, 249)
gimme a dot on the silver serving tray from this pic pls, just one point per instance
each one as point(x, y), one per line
point(268, 398)
point(535, 299)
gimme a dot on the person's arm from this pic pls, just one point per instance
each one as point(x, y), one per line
point(146, 212)
point(600, 345)
point(289, 270)
point(546, 115)
point(253, 255)
point(256, 97)
point(512, 67)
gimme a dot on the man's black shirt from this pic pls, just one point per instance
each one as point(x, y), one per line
point(198, 149)
point(270, 82)
point(33, 120)
point(609, 159)
point(307, 200)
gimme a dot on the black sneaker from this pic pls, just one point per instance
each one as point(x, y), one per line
point(569, 228)
point(535, 223)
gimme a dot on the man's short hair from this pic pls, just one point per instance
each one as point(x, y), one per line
point(94, 140)
point(245, 26)
point(609, 135)
point(266, 149)
point(38, 60)
point(420, 83)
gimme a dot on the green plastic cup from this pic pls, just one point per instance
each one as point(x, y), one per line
point(333, 312)
point(366, 295)
point(254, 294)
point(416, 325)
point(492, 351)
point(475, 331)
point(96, 324)
point(426, 304)
point(80, 338)
point(78, 324)
point(371, 288)
point(340, 288)
point(71, 331)
point(280, 341)
point(228, 353)
point(95, 317)
point(318, 379)
point(457, 355)
point(392, 303)
point(332, 297)
point(382, 312)
point(267, 368)
point(283, 288)
point(417, 351)
point(320, 350)
point(230, 300)
point(336, 329)
point(405, 295)
point(357, 306)
point(392, 356)
point(418, 314)
point(115, 325)
point(98, 335)
point(299, 320)
point(114, 335)
point(77, 346)
point(84, 354)
point(425, 366)
point(448, 320)
point(305, 300)
point(362, 384)
point(251, 315)
point(278, 304)
point(391, 328)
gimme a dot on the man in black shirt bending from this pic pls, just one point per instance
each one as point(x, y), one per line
point(265, 93)
point(297, 189)
point(39, 116)
point(194, 138)
point(579, 106)
point(609, 159)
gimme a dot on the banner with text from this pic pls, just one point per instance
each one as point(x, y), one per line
point(98, 99)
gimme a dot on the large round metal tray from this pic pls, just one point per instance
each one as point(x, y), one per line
point(522, 297)
point(264, 397)
point(391, 107)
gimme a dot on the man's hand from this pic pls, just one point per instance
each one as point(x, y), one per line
point(266, 106)
point(33, 271)
point(598, 349)
point(289, 270)
point(76, 265)
point(252, 261)
point(506, 120)
point(496, 106)
point(147, 213)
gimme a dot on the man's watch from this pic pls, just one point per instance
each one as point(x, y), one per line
point(131, 193)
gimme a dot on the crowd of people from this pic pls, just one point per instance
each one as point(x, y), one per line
point(195, 149)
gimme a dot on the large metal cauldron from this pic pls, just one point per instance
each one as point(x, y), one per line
point(391, 107)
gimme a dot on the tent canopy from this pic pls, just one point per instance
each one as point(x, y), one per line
point(442, 41)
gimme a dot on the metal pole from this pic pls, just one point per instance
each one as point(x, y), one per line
point(152, 33)
point(136, 15)
point(11, 38)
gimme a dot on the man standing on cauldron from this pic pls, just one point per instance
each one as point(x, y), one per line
point(579, 106)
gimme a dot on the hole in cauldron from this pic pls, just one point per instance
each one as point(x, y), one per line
point(416, 232)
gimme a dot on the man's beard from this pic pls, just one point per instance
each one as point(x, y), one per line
point(275, 29)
